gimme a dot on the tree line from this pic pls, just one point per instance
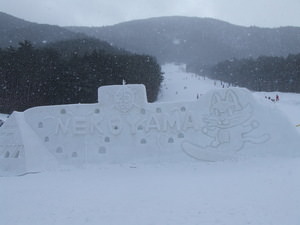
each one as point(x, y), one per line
point(41, 76)
point(261, 74)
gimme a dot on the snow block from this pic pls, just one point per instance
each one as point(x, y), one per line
point(123, 127)
point(12, 154)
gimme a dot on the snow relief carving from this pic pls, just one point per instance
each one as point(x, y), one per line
point(124, 127)
point(229, 125)
point(124, 99)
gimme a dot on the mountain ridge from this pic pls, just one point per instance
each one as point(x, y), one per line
point(184, 39)
point(14, 30)
point(190, 40)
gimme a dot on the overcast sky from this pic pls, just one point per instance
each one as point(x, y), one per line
point(263, 13)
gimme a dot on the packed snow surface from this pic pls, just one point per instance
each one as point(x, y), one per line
point(256, 191)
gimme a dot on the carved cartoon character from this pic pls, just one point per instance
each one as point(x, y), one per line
point(228, 123)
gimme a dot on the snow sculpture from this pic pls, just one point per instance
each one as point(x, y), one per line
point(230, 125)
point(12, 155)
point(124, 127)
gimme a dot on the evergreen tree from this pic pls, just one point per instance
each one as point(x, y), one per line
point(31, 77)
point(261, 74)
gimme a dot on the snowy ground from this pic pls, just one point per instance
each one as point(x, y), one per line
point(256, 191)
point(181, 86)
point(3, 116)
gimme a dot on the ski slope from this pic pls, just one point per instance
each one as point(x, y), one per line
point(255, 191)
point(179, 85)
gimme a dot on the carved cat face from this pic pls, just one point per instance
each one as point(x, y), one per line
point(227, 112)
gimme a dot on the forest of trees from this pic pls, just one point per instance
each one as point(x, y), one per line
point(261, 74)
point(41, 76)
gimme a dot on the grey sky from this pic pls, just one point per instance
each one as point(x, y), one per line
point(263, 13)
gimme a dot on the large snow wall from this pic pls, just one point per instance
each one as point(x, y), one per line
point(225, 124)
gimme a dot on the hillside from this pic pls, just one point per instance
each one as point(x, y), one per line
point(196, 40)
point(83, 46)
point(265, 73)
point(191, 40)
point(14, 30)
point(33, 76)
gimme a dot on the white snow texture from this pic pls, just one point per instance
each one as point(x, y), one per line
point(214, 156)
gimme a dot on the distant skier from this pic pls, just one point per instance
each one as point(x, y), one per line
point(277, 98)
